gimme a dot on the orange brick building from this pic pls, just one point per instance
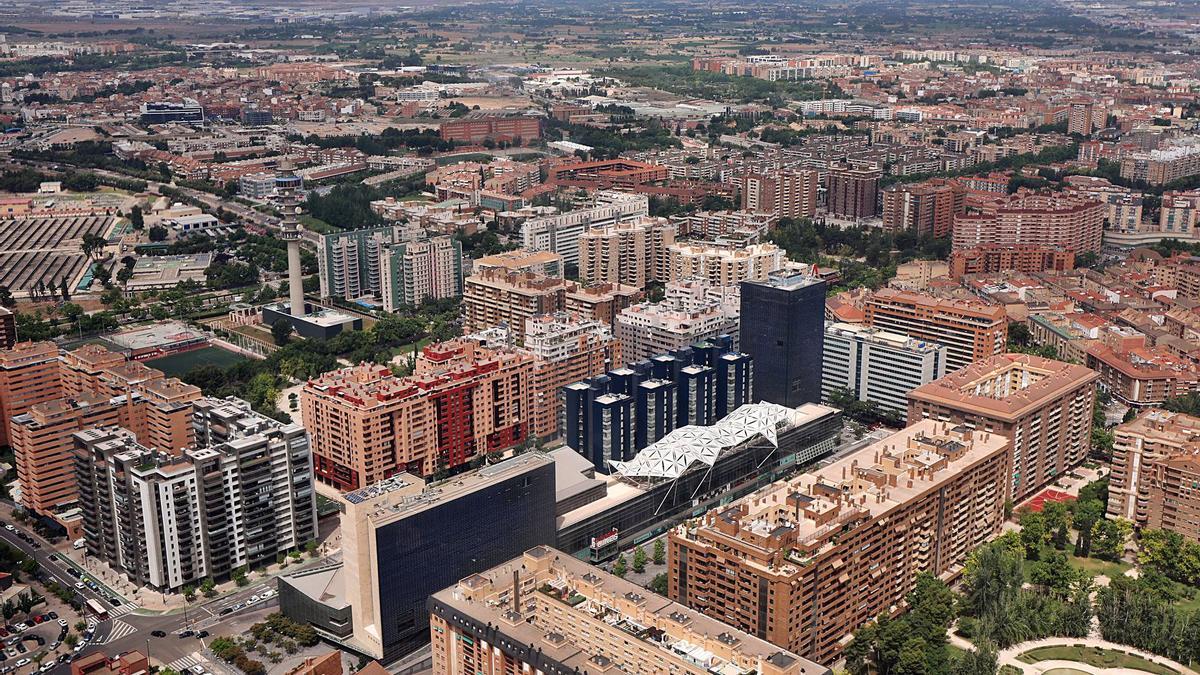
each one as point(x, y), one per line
point(1066, 222)
point(926, 209)
point(477, 128)
point(607, 173)
point(991, 258)
point(969, 330)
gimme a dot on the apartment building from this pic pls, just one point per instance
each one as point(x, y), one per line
point(519, 260)
point(559, 233)
point(853, 190)
point(748, 226)
point(784, 194)
point(549, 612)
point(804, 562)
point(877, 366)
point(1056, 220)
point(411, 272)
point(1153, 470)
point(632, 252)
point(496, 296)
point(29, 374)
point(1176, 160)
point(1140, 375)
point(1179, 214)
point(349, 262)
point(462, 401)
point(690, 312)
point(723, 264)
point(1043, 407)
point(476, 128)
point(240, 498)
point(83, 366)
point(925, 209)
point(602, 302)
point(970, 331)
point(566, 348)
point(612, 417)
point(991, 258)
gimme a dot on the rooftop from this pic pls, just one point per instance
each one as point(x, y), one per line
point(1006, 385)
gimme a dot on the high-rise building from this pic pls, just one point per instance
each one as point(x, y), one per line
point(612, 417)
point(925, 209)
point(548, 612)
point(349, 262)
point(403, 540)
point(991, 258)
point(1043, 406)
point(411, 272)
point(877, 366)
point(543, 263)
point(1081, 119)
point(783, 330)
point(238, 499)
point(560, 233)
point(804, 562)
point(566, 348)
point(853, 190)
point(970, 331)
point(8, 328)
point(462, 401)
point(1154, 467)
point(1058, 220)
point(690, 312)
point(496, 296)
point(725, 264)
point(632, 252)
point(29, 374)
point(785, 194)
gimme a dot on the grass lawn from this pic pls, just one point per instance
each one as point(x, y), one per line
point(175, 365)
point(317, 225)
point(1100, 658)
point(1010, 670)
point(1105, 567)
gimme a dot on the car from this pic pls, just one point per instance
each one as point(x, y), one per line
point(238, 606)
point(112, 601)
point(253, 599)
point(186, 633)
point(34, 545)
point(79, 647)
point(64, 658)
point(30, 623)
point(20, 647)
point(224, 611)
point(62, 622)
point(22, 663)
point(54, 645)
point(198, 670)
point(201, 634)
point(53, 557)
point(73, 572)
point(267, 593)
point(52, 615)
point(9, 527)
point(158, 633)
point(47, 666)
point(3, 633)
point(79, 585)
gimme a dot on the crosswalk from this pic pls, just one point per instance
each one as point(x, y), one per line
point(122, 610)
point(181, 665)
point(119, 630)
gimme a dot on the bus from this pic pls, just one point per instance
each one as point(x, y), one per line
point(97, 609)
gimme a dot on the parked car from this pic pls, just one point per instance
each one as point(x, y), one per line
point(52, 615)
point(22, 663)
point(202, 634)
point(158, 633)
point(186, 633)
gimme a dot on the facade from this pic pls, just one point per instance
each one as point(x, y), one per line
point(8, 328)
point(1153, 469)
point(1163, 165)
point(560, 233)
point(853, 190)
point(496, 296)
point(991, 258)
point(785, 337)
point(632, 252)
point(462, 401)
point(548, 612)
point(543, 263)
point(925, 209)
point(969, 330)
point(1043, 406)
point(1055, 220)
point(476, 128)
point(1139, 375)
point(411, 272)
point(877, 366)
point(566, 348)
point(804, 562)
point(403, 541)
point(29, 374)
point(722, 264)
point(349, 262)
point(612, 417)
point(784, 194)
point(242, 496)
point(689, 313)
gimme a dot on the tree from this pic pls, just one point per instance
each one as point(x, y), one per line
point(1055, 574)
point(659, 583)
point(281, 330)
point(1087, 514)
point(311, 548)
point(208, 587)
point(80, 625)
point(639, 559)
point(158, 233)
point(1109, 537)
point(124, 275)
point(982, 661)
point(189, 592)
point(93, 246)
point(620, 568)
point(660, 552)
point(6, 297)
point(1033, 533)
point(136, 220)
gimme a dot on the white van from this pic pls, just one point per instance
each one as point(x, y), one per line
point(78, 544)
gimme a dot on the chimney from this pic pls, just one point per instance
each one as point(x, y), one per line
point(517, 591)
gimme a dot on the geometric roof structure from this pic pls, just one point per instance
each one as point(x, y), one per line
point(672, 455)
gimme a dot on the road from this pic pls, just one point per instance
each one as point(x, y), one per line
point(128, 627)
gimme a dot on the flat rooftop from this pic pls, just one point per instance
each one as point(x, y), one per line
point(1006, 385)
point(155, 335)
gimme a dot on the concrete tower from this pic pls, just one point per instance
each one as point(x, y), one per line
point(286, 185)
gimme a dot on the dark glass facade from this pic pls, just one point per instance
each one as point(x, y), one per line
point(783, 330)
point(436, 547)
point(615, 416)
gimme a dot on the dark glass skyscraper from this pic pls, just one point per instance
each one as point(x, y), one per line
point(783, 330)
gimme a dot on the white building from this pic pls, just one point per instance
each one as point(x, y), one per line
point(690, 312)
point(560, 233)
point(878, 366)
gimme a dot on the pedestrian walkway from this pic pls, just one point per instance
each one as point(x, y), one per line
point(182, 664)
point(122, 610)
point(1008, 657)
point(119, 630)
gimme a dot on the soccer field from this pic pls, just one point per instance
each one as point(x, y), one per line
point(176, 365)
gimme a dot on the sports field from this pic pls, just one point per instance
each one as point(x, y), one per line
point(175, 365)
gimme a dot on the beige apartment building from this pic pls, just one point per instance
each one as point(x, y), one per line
point(29, 374)
point(548, 612)
point(1155, 471)
point(566, 348)
point(1043, 406)
point(494, 296)
point(1057, 220)
point(723, 265)
point(464, 400)
point(631, 252)
point(784, 194)
point(520, 260)
point(805, 562)
point(969, 330)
